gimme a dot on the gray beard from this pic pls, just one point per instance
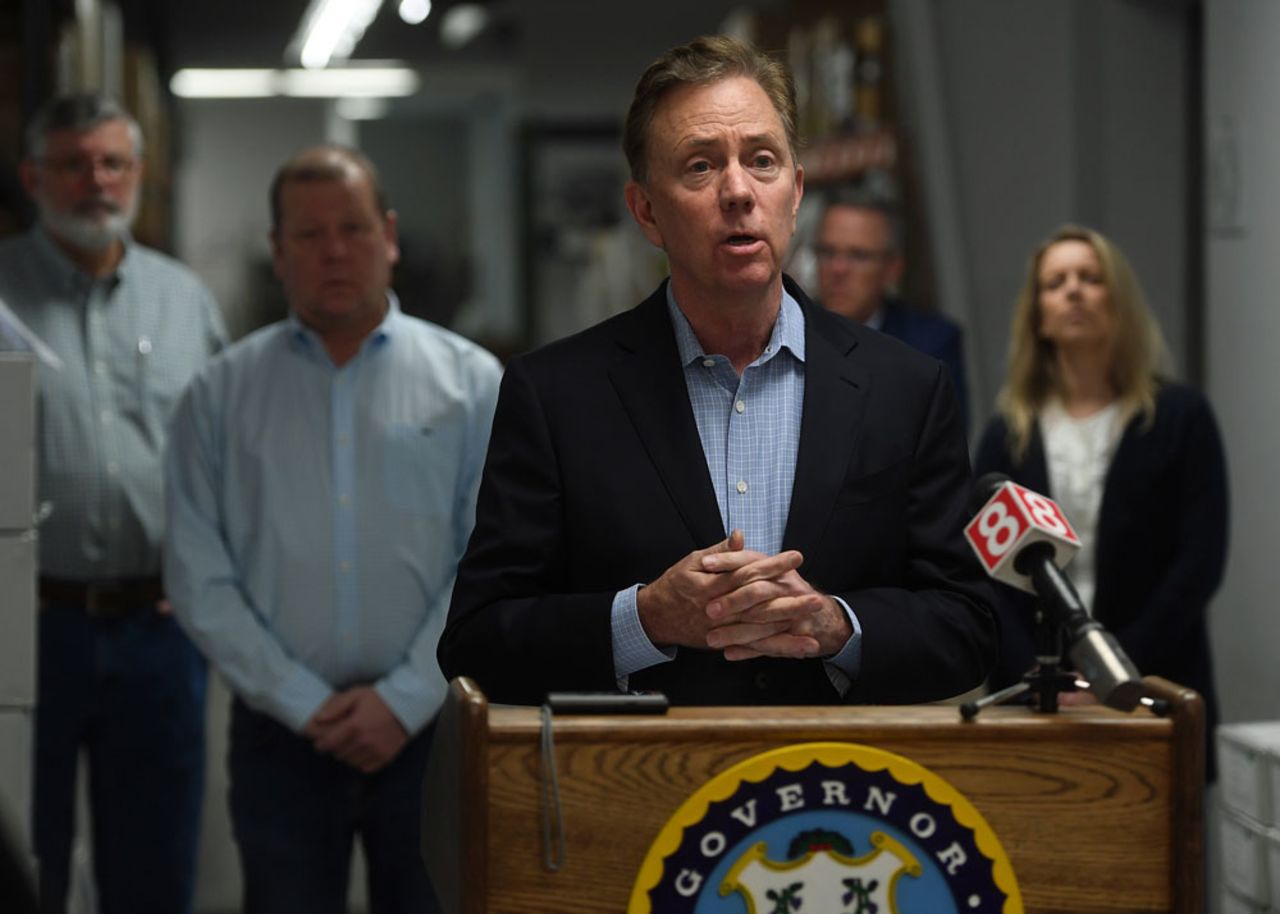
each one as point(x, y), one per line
point(85, 232)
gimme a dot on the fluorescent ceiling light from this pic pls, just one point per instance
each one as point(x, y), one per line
point(223, 83)
point(349, 82)
point(461, 23)
point(330, 29)
point(414, 11)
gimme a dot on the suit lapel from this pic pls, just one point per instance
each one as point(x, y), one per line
point(835, 398)
point(647, 376)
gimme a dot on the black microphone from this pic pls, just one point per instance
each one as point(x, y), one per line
point(1025, 526)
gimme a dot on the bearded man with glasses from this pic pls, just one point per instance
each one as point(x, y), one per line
point(117, 678)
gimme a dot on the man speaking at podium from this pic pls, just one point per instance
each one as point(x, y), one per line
point(726, 494)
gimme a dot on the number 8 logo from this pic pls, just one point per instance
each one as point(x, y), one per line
point(1044, 512)
point(999, 528)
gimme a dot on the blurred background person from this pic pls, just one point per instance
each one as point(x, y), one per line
point(1134, 459)
point(322, 482)
point(117, 677)
point(858, 249)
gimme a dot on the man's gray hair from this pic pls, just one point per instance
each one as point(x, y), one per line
point(79, 111)
point(855, 197)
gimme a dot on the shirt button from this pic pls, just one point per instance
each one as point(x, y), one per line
point(707, 363)
point(344, 566)
point(344, 439)
point(742, 487)
point(100, 368)
point(113, 468)
point(344, 499)
point(105, 416)
point(740, 406)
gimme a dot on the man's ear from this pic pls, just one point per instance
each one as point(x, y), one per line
point(893, 274)
point(391, 236)
point(275, 252)
point(642, 211)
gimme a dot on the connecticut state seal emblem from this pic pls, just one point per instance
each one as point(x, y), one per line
point(826, 828)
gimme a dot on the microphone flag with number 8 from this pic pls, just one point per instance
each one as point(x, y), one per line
point(1011, 519)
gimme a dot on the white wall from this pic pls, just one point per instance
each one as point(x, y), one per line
point(1242, 250)
point(227, 153)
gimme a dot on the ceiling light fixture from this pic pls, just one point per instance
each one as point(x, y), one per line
point(414, 11)
point(346, 82)
point(330, 29)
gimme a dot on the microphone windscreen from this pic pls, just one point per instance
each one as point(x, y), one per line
point(1012, 518)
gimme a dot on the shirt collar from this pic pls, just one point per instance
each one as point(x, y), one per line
point(876, 320)
point(306, 338)
point(66, 269)
point(788, 331)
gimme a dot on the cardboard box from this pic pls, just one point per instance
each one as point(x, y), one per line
point(17, 440)
point(1249, 769)
point(18, 620)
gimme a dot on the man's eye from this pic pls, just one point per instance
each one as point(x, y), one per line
point(763, 161)
point(700, 168)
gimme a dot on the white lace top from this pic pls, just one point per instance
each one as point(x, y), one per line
point(1078, 453)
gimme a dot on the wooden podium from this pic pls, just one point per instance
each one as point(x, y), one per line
point(1097, 810)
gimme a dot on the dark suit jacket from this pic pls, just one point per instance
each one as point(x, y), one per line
point(1161, 542)
point(596, 480)
point(933, 335)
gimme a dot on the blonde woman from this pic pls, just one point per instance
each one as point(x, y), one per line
point(1134, 460)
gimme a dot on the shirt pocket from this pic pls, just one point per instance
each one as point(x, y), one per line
point(420, 467)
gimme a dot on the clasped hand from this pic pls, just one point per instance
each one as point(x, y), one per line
point(356, 727)
point(744, 603)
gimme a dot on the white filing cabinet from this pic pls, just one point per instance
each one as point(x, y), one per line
point(17, 588)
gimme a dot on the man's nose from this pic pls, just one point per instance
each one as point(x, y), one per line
point(335, 245)
point(735, 188)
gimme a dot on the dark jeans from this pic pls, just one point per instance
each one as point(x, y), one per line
point(296, 813)
point(131, 693)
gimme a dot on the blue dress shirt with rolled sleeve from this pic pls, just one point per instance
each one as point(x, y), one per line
point(317, 512)
point(749, 427)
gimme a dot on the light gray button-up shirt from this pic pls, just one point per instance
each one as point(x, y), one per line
point(129, 344)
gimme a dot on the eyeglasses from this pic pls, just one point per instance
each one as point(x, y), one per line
point(113, 167)
point(858, 257)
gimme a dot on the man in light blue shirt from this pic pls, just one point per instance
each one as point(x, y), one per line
point(321, 485)
point(118, 681)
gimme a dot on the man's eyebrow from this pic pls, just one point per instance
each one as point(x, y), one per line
point(699, 141)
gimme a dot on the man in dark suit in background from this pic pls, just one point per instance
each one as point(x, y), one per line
point(726, 493)
point(859, 253)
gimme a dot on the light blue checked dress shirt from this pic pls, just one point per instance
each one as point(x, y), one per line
point(317, 513)
point(750, 432)
point(128, 343)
